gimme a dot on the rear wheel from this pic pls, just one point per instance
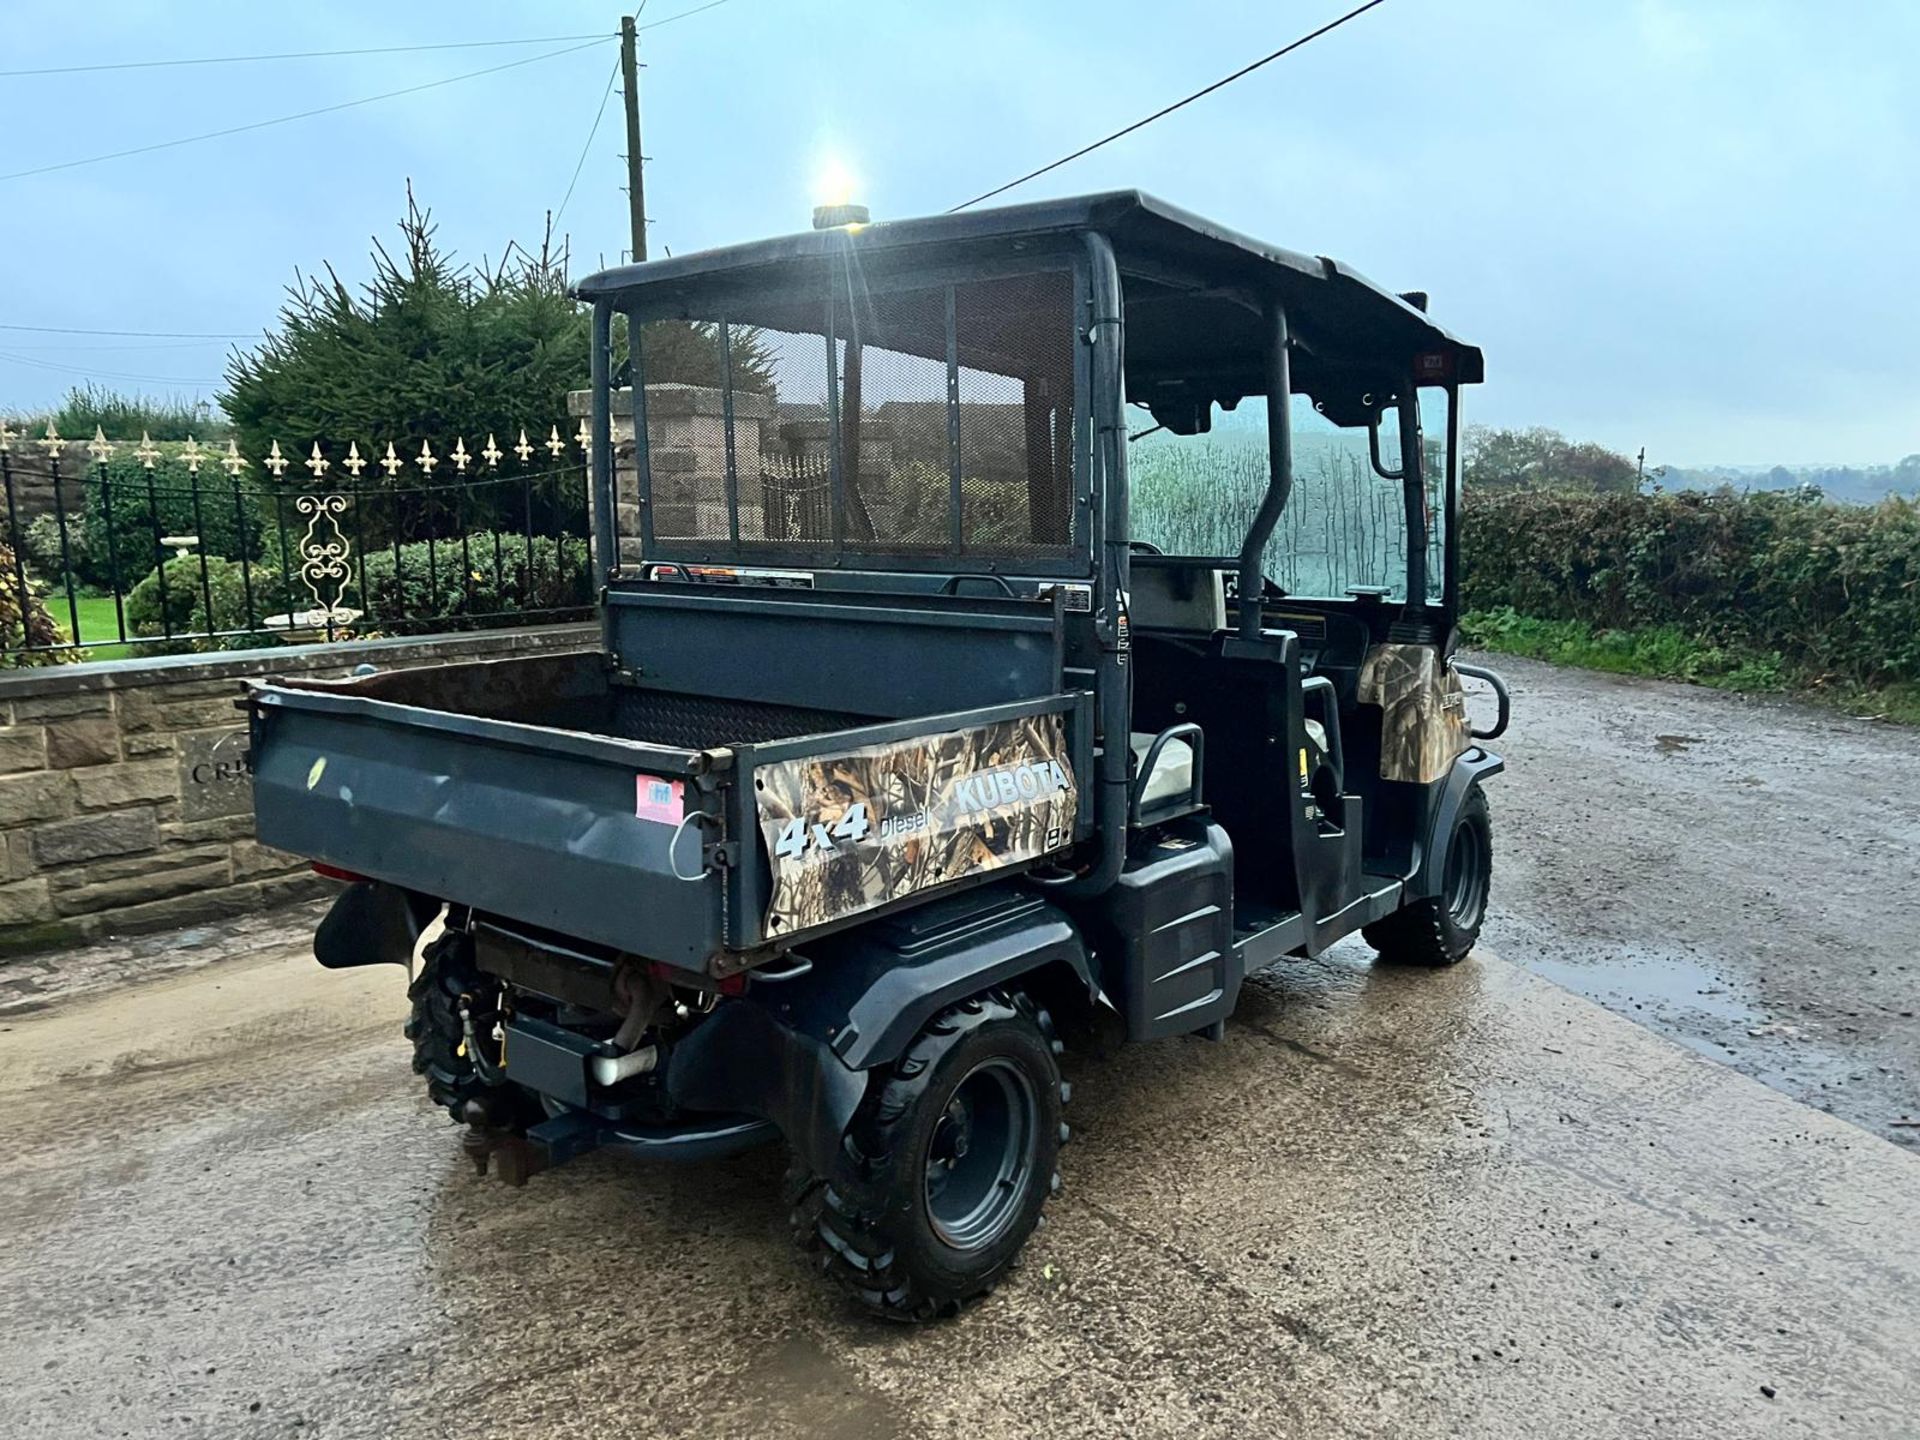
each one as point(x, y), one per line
point(453, 1000)
point(946, 1166)
point(1439, 931)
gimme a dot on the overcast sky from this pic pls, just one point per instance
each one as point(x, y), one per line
point(1684, 224)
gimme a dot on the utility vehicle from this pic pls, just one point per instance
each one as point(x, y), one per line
point(938, 718)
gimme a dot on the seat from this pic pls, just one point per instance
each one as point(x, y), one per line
point(1172, 777)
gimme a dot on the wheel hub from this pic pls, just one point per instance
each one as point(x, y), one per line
point(1466, 877)
point(979, 1163)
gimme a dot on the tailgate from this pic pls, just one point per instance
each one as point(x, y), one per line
point(572, 831)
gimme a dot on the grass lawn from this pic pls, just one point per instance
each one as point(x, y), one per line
point(97, 622)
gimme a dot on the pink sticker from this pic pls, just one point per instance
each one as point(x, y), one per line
point(657, 799)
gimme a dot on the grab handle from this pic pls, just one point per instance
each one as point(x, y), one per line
point(1480, 672)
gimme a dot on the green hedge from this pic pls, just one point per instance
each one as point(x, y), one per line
point(188, 589)
point(1834, 590)
point(453, 585)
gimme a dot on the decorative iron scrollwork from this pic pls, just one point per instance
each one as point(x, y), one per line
point(324, 555)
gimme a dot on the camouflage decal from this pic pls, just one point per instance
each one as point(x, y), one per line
point(845, 833)
point(1424, 726)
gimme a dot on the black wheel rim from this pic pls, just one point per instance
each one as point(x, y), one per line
point(1467, 876)
point(980, 1157)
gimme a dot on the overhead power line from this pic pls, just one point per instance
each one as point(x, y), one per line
point(89, 371)
point(303, 114)
point(1244, 70)
point(682, 15)
point(598, 116)
point(332, 54)
point(293, 55)
point(138, 334)
point(69, 347)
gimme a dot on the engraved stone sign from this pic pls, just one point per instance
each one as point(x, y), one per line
point(214, 778)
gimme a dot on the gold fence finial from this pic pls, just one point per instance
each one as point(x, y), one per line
point(147, 452)
point(427, 459)
point(193, 455)
point(460, 456)
point(523, 449)
point(235, 461)
point(583, 437)
point(391, 462)
point(318, 463)
point(7, 436)
point(275, 461)
point(555, 443)
point(100, 447)
point(53, 442)
point(355, 461)
point(491, 453)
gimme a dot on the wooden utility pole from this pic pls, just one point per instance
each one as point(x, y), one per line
point(636, 180)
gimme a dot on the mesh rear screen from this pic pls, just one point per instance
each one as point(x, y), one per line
point(869, 422)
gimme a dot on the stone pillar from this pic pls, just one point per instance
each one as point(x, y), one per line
point(687, 460)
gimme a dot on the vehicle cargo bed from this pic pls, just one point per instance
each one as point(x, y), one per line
point(558, 792)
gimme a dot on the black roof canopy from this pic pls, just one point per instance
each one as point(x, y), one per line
point(1193, 293)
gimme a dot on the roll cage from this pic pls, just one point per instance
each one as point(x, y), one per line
point(1141, 303)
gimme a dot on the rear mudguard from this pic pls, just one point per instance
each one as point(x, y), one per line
point(1469, 770)
point(795, 1051)
point(372, 924)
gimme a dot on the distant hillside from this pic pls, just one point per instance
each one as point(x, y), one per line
point(1852, 485)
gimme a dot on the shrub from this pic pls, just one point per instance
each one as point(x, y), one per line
point(24, 619)
point(184, 611)
point(225, 531)
point(40, 543)
point(92, 407)
point(491, 575)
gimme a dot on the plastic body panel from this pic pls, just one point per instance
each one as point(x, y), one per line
point(1470, 769)
point(873, 988)
point(1165, 934)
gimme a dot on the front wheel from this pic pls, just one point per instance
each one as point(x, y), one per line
point(946, 1166)
point(1439, 931)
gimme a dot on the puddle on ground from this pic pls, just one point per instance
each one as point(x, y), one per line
point(1629, 982)
point(1697, 1007)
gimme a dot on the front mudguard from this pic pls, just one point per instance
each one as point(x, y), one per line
point(372, 924)
point(1429, 873)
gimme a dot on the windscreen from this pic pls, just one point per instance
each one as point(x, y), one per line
point(865, 424)
point(1344, 529)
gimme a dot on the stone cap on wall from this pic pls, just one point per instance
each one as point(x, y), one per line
point(669, 401)
point(245, 664)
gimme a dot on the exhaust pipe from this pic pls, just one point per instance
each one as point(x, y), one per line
point(610, 1070)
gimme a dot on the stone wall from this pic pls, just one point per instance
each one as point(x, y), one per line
point(125, 802)
point(30, 478)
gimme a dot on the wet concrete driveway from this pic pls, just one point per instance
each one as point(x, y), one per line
point(1389, 1204)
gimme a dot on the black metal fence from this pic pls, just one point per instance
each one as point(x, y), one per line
point(176, 548)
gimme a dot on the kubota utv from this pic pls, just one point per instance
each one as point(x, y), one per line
point(1016, 625)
